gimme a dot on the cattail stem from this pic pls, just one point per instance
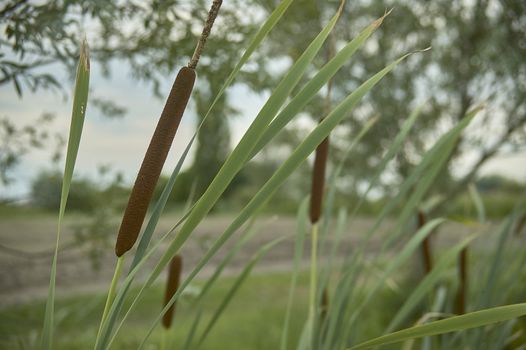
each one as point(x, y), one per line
point(427, 255)
point(324, 306)
point(111, 293)
point(463, 282)
point(313, 271)
point(164, 339)
point(172, 284)
point(212, 14)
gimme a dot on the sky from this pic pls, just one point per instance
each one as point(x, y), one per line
point(121, 142)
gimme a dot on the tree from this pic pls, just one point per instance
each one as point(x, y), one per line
point(46, 189)
point(152, 37)
point(18, 141)
point(477, 55)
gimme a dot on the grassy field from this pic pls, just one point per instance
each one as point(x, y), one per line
point(260, 304)
point(253, 320)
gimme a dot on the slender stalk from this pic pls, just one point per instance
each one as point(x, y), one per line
point(212, 14)
point(164, 339)
point(313, 271)
point(111, 294)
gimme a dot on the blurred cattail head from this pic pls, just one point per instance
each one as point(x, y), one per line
point(318, 180)
point(172, 284)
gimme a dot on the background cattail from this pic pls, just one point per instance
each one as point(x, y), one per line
point(463, 282)
point(172, 283)
point(154, 160)
point(427, 256)
point(318, 180)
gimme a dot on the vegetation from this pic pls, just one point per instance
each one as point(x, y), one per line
point(452, 302)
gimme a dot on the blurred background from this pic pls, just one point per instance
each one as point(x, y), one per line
point(478, 51)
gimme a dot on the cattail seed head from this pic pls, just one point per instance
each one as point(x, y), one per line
point(174, 276)
point(318, 180)
point(154, 160)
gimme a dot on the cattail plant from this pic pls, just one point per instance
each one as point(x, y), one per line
point(156, 154)
point(460, 304)
point(318, 188)
point(160, 144)
point(172, 284)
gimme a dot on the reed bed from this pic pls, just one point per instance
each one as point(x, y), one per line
point(356, 284)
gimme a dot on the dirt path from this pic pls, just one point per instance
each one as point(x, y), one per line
point(24, 279)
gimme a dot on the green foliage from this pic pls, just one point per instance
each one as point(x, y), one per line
point(354, 280)
point(80, 102)
point(465, 66)
point(18, 141)
point(499, 183)
point(46, 188)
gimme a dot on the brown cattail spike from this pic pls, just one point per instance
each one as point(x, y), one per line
point(426, 245)
point(318, 180)
point(212, 14)
point(174, 276)
point(322, 152)
point(463, 282)
point(324, 306)
point(154, 160)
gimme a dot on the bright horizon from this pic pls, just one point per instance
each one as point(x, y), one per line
point(121, 142)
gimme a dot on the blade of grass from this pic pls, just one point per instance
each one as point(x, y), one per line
point(479, 204)
point(452, 324)
point(235, 287)
point(193, 330)
point(406, 252)
point(299, 242)
point(249, 233)
point(80, 101)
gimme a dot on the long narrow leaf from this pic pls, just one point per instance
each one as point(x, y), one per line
point(80, 101)
point(300, 100)
point(235, 287)
point(301, 229)
point(452, 324)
